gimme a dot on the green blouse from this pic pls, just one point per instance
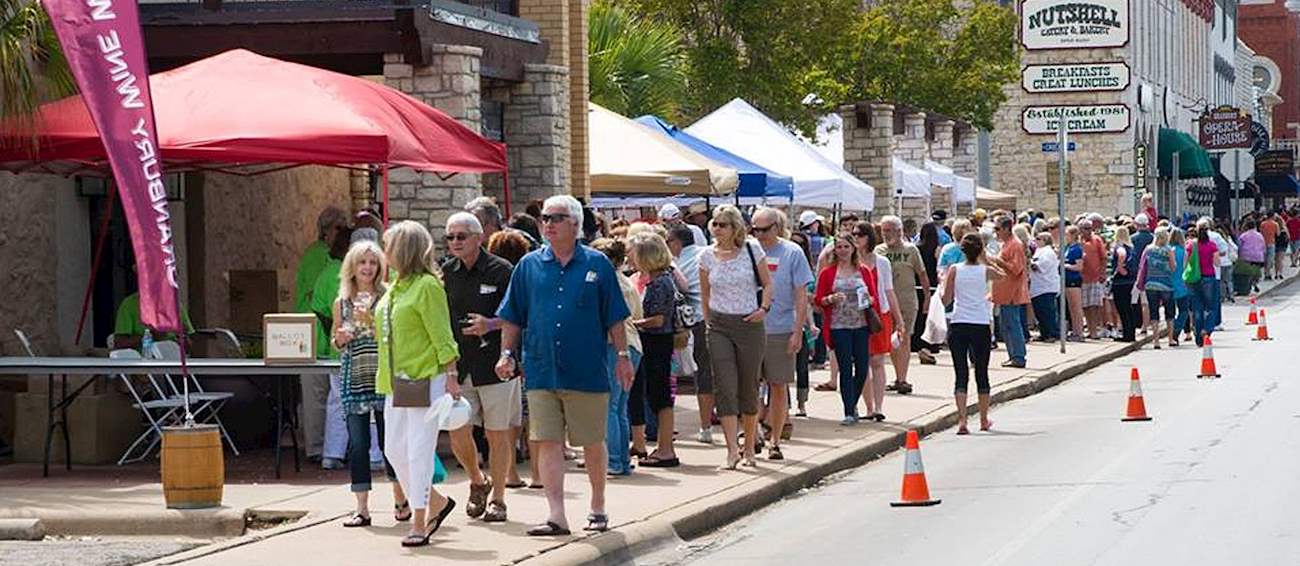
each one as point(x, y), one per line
point(421, 322)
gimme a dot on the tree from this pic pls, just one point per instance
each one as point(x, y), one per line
point(636, 64)
point(937, 57)
point(32, 67)
point(772, 53)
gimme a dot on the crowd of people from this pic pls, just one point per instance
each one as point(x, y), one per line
point(571, 335)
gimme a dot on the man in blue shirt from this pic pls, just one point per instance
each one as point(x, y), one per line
point(791, 275)
point(567, 299)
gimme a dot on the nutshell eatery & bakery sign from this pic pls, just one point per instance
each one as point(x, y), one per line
point(1079, 119)
point(1064, 24)
point(1075, 77)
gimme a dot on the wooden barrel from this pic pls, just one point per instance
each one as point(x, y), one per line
point(193, 469)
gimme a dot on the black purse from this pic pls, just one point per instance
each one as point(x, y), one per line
point(758, 281)
point(407, 392)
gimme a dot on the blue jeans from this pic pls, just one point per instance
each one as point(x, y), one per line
point(1013, 333)
point(852, 357)
point(1045, 306)
point(1205, 302)
point(359, 449)
point(1184, 310)
point(618, 430)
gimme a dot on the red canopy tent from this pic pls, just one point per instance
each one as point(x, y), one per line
point(238, 109)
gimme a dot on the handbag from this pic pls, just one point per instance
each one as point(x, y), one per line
point(874, 324)
point(758, 281)
point(407, 392)
point(1192, 271)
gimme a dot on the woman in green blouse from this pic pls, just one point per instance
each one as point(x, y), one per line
point(413, 330)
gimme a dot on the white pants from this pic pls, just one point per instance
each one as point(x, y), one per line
point(336, 424)
point(410, 444)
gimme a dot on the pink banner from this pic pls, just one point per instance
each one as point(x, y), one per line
point(105, 49)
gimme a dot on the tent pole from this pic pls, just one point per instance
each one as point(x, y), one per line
point(505, 183)
point(99, 256)
point(383, 172)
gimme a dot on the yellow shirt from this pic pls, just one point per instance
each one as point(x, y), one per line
point(421, 324)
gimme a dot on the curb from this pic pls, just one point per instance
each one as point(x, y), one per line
point(21, 529)
point(207, 523)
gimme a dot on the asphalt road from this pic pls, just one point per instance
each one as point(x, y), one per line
point(1214, 479)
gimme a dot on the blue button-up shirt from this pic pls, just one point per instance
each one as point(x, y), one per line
point(565, 312)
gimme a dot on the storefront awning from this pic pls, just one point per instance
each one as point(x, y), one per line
point(1277, 185)
point(1193, 160)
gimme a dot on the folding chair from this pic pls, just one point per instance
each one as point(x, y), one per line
point(157, 407)
point(204, 405)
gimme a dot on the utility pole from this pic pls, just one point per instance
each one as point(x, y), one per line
point(1063, 148)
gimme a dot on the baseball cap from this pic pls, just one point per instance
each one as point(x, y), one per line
point(807, 217)
point(669, 212)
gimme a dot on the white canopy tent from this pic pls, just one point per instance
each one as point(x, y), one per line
point(743, 130)
point(940, 175)
point(963, 190)
point(630, 159)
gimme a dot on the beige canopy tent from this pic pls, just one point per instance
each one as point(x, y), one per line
point(628, 158)
point(989, 199)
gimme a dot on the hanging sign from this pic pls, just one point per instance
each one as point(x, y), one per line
point(1140, 168)
point(1080, 119)
point(1275, 162)
point(1075, 77)
point(1225, 127)
point(1074, 24)
point(1259, 139)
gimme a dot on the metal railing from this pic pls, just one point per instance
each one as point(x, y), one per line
point(1290, 144)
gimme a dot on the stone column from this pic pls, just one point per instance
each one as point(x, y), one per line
point(940, 150)
point(965, 158)
point(868, 145)
point(536, 128)
point(450, 83)
point(914, 149)
point(579, 87)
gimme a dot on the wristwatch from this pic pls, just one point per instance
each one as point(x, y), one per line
point(624, 354)
point(507, 353)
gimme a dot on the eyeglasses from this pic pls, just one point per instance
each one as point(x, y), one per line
point(717, 224)
point(457, 237)
point(761, 229)
point(555, 218)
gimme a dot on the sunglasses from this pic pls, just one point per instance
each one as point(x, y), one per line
point(458, 237)
point(555, 218)
point(761, 229)
point(723, 224)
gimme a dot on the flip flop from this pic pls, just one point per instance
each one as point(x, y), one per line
point(547, 529)
point(398, 509)
point(655, 462)
point(597, 522)
point(824, 387)
point(357, 520)
point(516, 485)
point(436, 523)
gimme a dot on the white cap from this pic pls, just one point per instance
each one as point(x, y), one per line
point(669, 212)
point(807, 217)
point(1142, 220)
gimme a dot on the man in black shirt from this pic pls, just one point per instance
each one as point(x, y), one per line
point(476, 283)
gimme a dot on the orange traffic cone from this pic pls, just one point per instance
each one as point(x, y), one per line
point(1253, 318)
point(1137, 410)
point(1261, 331)
point(1207, 360)
point(915, 491)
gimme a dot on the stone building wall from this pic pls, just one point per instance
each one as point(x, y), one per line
point(29, 252)
point(536, 131)
point(579, 88)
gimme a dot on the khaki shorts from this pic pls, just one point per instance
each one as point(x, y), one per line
point(778, 365)
point(1093, 294)
point(553, 412)
point(496, 406)
point(908, 311)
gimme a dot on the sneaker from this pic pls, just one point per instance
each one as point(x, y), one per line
point(705, 436)
point(927, 358)
point(849, 421)
point(331, 464)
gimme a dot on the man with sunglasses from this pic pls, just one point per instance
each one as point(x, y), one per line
point(476, 283)
point(791, 275)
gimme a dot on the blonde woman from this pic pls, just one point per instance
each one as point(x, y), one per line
point(413, 330)
point(360, 288)
point(1126, 261)
point(649, 254)
point(735, 296)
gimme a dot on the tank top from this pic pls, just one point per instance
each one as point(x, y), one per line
point(970, 303)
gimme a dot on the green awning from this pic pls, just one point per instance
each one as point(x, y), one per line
point(1193, 160)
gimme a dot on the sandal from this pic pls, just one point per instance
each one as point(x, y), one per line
point(657, 462)
point(496, 512)
point(547, 529)
point(413, 540)
point(774, 453)
point(436, 523)
point(535, 485)
point(478, 494)
point(398, 509)
point(824, 387)
point(904, 388)
point(357, 520)
point(516, 484)
point(597, 522)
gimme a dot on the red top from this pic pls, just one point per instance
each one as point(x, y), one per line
point(1013, 288)
point(826, 286)
point(1293, 227)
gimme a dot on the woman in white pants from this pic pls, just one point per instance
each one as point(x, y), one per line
point(417, 354)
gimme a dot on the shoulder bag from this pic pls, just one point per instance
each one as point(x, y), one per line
point(407, 392)
point(758, 281)
point(874, 324)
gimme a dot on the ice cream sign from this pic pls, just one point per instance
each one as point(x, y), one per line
point(1079, 119)
point(1063, 24)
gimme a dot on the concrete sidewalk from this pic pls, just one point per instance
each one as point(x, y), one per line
point(650, 508)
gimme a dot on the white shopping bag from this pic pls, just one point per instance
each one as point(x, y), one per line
point(936, 324)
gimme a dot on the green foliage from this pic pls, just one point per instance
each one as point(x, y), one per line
point(636, 64)
point(933, 56)
point(32, 67)
point(772, 53)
